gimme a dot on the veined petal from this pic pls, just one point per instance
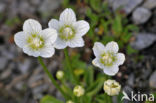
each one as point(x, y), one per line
point(112, 47)
point(30, 52)
point(20, 39)
point(98, 49)
point(77, 41)
point(68, 16)
point(120, 58)
point(53, 23)
point(96, 62)
point(32, 26)
point(47, 51)
point(49, 34)
point(60, 44)
point(111, 70)
point(81, 27)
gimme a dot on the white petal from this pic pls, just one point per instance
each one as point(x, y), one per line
point(60, 44)
point(77, 41)
point(49, 35)
point(81, 27)
point(32, 26)
point(120, 58)
point(112, 46)
point(98, 49)
point(68, 16)
point(47, 51)
point(30, 52)
point(96, 62)
point(20, 39)
point(53, 23)
point(111, 70)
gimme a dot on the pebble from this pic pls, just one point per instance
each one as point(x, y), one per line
point(126, 5)
point(143, 40)
point(2, 7)
point(3, 62)
point(48, 6)
point(131, 80)
point(141, 15)
point(25, 65)
point(152, 80)
point(149, 4)
point(35, 2)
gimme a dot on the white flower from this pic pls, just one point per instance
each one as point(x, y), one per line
point(107, 57)
point(69, 30)
point(111, 87)
point(78, 91)
point(34, 41)
point(59, 74)
point(69, 101)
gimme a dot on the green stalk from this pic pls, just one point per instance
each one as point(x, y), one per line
point(51, 77)
point(69, 66)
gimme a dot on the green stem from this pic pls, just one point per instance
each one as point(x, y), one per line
point(69, 66)
point(51, 77)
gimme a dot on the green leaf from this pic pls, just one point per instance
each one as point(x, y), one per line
point(89, 76)
point(96, 5)
point(130, 50)
point(50, 99)
point(96, 85)
point(117, 25)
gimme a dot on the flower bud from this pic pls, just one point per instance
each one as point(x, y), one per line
point(69, 101)
point(78, 91)
point(59, 75)
point(111, 87)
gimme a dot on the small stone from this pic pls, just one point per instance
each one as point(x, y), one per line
point(24, 66)
point(3, 62)
point(26, 8)
point(35, 2)
point(131, 80)
point(2, 7)
point(143, 40)
point(48, 6)
point(141, 15)
point(6, 74)
point(126, 5)
point(152, 80)
point(149, 4)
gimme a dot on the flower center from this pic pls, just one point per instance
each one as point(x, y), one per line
point(67, 33)
point(107, 59)
point(35, 42)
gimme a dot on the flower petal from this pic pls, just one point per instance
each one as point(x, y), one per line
point(77, 41)
point(49, 35)
point(112, 47)
point(111, 70)
point(60, 44)
point(31, 26)
point(98, 49)
point(53, 23)
point(81, 27)
point(68, 16)
point(30, 52)
point(47, 51)
point(20, 39)
point(96, 62)
point(120, 58)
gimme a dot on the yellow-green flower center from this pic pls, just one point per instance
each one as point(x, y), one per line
point(35, 42)
point(107, 59)
point(66, 32)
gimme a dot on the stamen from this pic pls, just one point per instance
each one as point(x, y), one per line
point(67, 33)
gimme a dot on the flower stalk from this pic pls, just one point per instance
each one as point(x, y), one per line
point(51, 77)
point(69, 66)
